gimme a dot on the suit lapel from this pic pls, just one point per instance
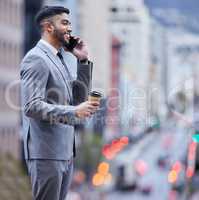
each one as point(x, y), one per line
point(57, 63)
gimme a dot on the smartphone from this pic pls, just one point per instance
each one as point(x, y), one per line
point(72, 43)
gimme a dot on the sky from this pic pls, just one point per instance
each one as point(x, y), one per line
point(187, 10)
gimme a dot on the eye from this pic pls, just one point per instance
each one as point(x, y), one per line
point(67, 23)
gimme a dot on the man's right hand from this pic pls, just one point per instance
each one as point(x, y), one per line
point(86, 109)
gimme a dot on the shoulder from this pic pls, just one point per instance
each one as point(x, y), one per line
point(34, 61)
point(34, 55)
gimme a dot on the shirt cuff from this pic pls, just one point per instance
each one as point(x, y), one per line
point(84, 61)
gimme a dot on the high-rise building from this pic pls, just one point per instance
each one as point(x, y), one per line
point(11, 34)
point(93, 26)
point(183, 54)
point(158, 69)
point(130, 23)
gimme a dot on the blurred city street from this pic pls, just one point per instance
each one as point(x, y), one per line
point(154, 184)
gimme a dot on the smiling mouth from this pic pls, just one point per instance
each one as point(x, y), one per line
point(67, 36)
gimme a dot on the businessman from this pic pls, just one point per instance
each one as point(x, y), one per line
point(53, 102)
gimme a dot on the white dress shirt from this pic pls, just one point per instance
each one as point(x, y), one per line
point(52, 48)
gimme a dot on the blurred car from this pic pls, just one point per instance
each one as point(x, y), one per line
point(122, 168)
point(146, 189)
point(163, 161)
point(180, 183)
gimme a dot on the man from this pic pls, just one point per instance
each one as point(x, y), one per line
point(48, 95)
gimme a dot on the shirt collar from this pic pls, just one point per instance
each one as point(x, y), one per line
point(51, 48)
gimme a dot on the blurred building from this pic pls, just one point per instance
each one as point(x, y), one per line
point(113, 100)
point(93, 26)
point(183, 61)
point(130, 23)
point(158, 69)
point(11, 25)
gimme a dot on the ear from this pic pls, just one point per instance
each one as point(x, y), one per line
point(47, 26)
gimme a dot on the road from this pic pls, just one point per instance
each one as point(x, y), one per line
point(170, 141)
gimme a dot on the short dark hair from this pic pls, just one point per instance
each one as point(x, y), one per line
point(49, 11)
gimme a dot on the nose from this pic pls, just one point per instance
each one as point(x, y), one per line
point(69, 26)
point(69, 30)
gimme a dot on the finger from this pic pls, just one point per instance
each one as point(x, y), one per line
point(87, 114)
point(94, 103)
point(91, 108)
point(78, 40)
point(94, 111)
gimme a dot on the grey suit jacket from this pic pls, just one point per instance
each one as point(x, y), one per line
point(48, 98)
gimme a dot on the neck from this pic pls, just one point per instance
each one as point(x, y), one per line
point(51, 41)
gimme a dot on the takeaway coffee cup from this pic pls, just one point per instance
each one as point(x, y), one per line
point(94, 96)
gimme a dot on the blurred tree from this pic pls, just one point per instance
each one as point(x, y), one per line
point(14, 182)
point(89, 153)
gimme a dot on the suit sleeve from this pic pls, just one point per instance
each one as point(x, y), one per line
point(82, 85)
point(34, 79)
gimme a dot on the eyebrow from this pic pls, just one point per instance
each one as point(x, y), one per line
point(65, 20)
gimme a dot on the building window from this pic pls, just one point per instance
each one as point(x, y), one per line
point(1, 96)
point(114, 9)
point(17, 13)
point(3, 53)
point(130, 9)
point(7, 57)
point(10, 12)
point(7, 12)
point(1, 11)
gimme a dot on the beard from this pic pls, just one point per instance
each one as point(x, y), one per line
point(60, 37)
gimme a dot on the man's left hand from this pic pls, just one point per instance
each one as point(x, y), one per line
point(80, 50)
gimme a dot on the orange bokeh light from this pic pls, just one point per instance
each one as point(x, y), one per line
point(79, 177)
point(103, 168)
point(109, 151)
point(124, 140)
point(110, 155)
point(189, 172)
point(98, 179)
point(177, 166)
point(116, 146)
point(172, 177)
point(105, 149)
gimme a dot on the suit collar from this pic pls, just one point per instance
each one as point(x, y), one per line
point(49, 46)
point(46, 47)
point(56, 61)
point(54, 58)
